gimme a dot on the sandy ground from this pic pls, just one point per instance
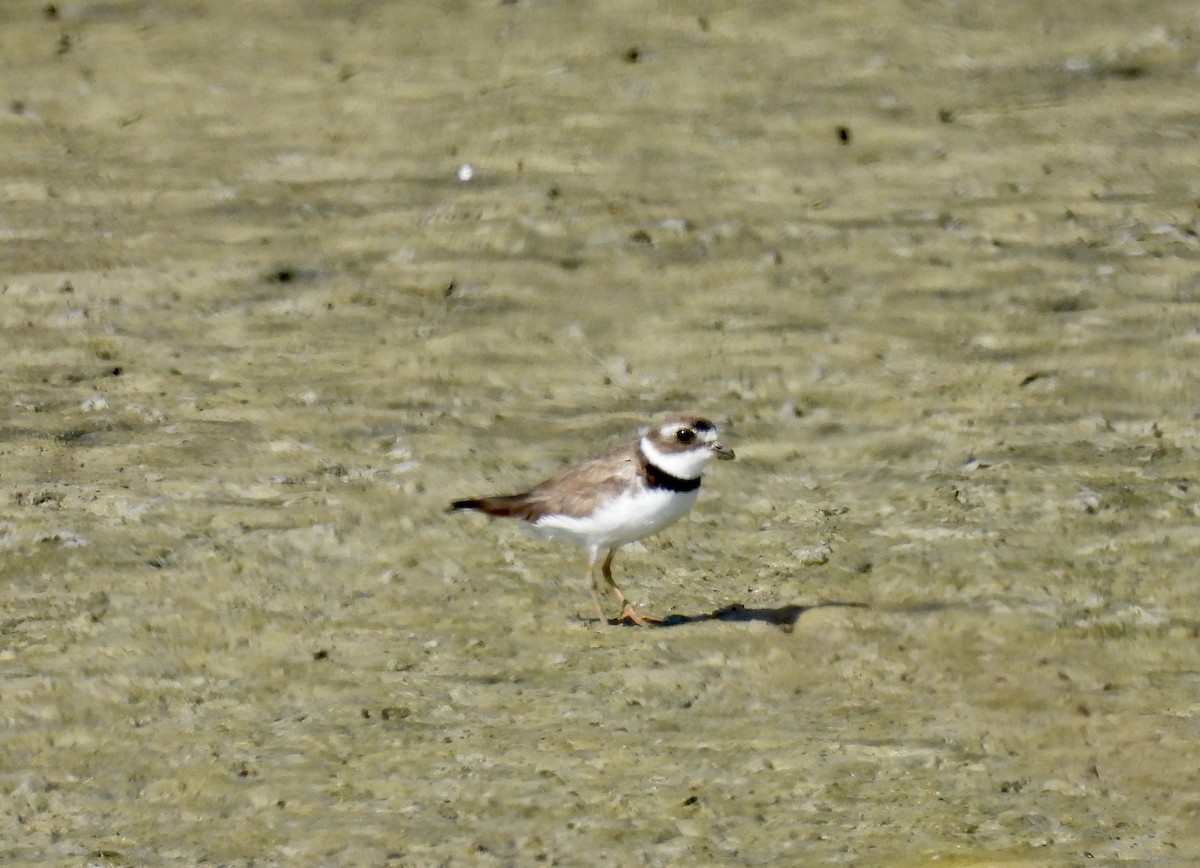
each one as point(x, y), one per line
point(931, 266)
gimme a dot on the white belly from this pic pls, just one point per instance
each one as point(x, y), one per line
point(629, 517)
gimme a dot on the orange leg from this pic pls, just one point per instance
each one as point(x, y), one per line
point(628, 613)
point(593, 586)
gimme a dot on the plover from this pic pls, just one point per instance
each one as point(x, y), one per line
point(626, 494)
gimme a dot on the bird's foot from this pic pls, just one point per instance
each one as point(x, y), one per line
point(630, 615)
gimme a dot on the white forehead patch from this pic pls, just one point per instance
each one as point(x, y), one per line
point(668, 430)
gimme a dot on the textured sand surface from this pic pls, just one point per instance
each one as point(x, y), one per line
point(931, 266)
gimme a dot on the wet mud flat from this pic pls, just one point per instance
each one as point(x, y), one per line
point(932, 269)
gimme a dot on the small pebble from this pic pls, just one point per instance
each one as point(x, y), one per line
point(813, 557)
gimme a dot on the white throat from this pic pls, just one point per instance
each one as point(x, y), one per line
point(682, 465)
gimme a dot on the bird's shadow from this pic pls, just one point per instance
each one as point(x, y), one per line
point(784, 617)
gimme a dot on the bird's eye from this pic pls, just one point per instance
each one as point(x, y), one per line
point(685, 435)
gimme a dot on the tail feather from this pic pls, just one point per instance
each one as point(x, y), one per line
point(502, 505)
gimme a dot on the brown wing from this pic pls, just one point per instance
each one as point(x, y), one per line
point(575, 491)
point(580, 488)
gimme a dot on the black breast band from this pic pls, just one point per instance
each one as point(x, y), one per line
point(656, 477)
